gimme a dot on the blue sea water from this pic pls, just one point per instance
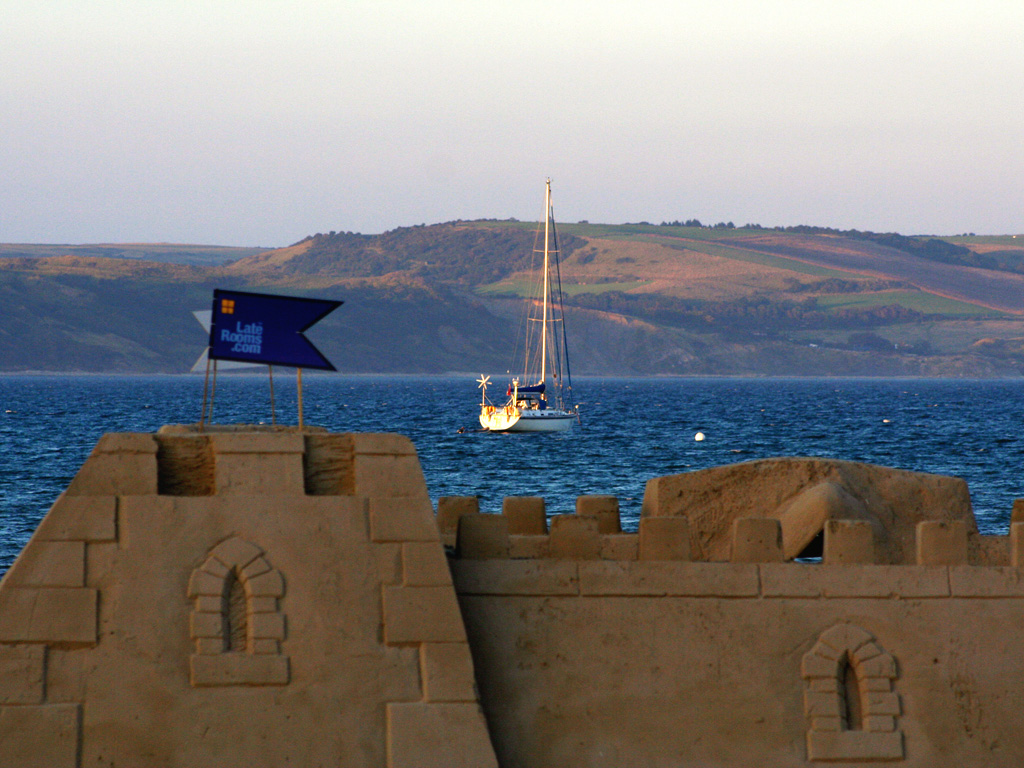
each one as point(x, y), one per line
point(632, 430)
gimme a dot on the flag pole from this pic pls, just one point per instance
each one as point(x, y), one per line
point(206, 384)
point(299, 382)
point(213, 389)
point(273, 410)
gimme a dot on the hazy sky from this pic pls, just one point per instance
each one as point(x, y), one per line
point(257, 122)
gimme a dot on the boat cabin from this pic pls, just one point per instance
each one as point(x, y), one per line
point(531, 398)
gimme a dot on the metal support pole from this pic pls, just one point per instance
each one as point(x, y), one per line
point(206, 384)
point(273, 409)
point(299, 381)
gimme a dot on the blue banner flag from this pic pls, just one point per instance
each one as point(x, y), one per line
point(262, 328)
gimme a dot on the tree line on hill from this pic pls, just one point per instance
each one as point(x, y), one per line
point(440, 252)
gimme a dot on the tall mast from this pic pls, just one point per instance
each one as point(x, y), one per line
point(547, 240)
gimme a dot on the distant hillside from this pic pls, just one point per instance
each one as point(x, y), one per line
point(642, 299)
point(164, 252)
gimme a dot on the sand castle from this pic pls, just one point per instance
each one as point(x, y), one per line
point(268, 597)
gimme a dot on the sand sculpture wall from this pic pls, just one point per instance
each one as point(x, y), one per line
point(238, 599)
point(754, 661)
point(275, 598)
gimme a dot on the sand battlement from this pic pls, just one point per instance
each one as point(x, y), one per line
point(594, 533)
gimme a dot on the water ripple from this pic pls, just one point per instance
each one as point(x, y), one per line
point(632, 430)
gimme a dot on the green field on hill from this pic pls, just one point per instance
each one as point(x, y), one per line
point(927, 303)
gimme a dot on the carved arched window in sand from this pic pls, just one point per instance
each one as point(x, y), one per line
point(849, 700)
point(236, 623)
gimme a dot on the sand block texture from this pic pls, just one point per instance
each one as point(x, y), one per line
point(268, 597)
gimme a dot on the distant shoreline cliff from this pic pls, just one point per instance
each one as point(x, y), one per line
point(641, 299)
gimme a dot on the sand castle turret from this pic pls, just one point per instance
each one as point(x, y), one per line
point(239, 597)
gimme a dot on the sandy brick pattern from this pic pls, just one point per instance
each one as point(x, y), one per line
point(214, 663)
point(420, 610)
point(831, 734)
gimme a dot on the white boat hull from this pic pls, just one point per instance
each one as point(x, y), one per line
point(519, 420)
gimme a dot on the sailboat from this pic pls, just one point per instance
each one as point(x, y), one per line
point(534, 404)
